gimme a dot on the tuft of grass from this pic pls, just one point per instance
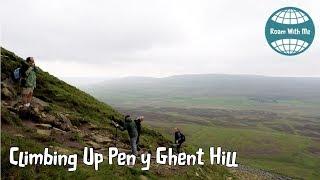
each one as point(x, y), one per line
point(9, 118)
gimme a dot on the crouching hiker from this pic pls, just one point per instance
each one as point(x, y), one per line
point(28, 81)
point(138, 125)
point(131, 127)
point(179, 138)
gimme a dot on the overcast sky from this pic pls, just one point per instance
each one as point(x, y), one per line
point(96, 38)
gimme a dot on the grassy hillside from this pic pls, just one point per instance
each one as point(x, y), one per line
point(58, 93)
point(83, 121)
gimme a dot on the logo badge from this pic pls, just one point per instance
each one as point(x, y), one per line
point(290, 31)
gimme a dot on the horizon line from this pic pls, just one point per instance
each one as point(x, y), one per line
point(187, 74)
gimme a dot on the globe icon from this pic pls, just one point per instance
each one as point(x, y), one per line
point(290, 31)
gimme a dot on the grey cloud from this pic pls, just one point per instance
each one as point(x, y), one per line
point(173, 37)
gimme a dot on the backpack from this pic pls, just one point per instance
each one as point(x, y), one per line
point(183, 138)
point(16, 75)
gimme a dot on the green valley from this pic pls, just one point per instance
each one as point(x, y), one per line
point(273, 123)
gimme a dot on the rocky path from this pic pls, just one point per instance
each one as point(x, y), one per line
point(47, 127)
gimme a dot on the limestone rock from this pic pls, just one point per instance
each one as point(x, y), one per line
point(44, 132)
point(57, 130)
point(44, 126)
point(94, 145)
point(7, 91)
point(93, 126)
point(43, 115)
point(61, 150)
point(65, 123)
point(38, 103)
point(101, 139)
point(48, 119)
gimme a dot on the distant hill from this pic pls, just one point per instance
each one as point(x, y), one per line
point(217, 85)
point(258, 89)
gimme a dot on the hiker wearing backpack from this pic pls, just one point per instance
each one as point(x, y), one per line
point(138, 121)
point(179, 138)
point(131, 127)
point(28, 80)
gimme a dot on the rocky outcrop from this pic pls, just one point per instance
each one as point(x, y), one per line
point(7, 90)
point(38, 111)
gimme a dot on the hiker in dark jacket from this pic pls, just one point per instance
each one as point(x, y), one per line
point(28, 81)
point(131, 127)
point(179, 138)
point(138, 125)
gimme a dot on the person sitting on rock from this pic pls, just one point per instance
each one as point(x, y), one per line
point(28, 81)
point(138, 125)
point(131, 127)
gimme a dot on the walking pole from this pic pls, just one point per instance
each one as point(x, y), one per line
point(29, 108)
point(116, 126)
point(116, 136)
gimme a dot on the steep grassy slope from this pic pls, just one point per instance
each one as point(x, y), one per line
point(89, 117)
point(59, 93)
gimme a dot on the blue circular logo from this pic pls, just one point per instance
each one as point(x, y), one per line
point(290, 31)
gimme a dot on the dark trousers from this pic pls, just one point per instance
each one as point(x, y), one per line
point(179, 147)
point(138, 140)
point(133, 144)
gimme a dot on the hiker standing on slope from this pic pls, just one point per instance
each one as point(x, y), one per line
point(179, 138)
point(131, 127)
point(138, 125)
point(28, 81)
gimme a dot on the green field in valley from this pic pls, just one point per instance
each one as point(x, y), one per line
point(276, 152)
